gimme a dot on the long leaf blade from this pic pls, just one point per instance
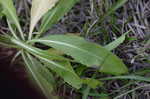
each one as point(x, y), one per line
point(34, 67)
point(37, 51)
point(85, 52)
point(128, 77)
point(67, 73)
point(64, 70)
point(10, 13)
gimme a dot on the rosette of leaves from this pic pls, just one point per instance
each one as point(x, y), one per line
point(43, 64)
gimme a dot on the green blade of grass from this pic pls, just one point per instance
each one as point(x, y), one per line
point(12, 31)
point(6, 42)
point(112, 9)
point(125, 93)
point(54, 15)
point(128, 77)
point(10, 13)
point(117, 42)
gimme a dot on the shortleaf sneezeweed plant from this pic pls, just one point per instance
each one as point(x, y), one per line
point(40, 62)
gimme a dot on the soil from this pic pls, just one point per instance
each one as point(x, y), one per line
point(14, 83)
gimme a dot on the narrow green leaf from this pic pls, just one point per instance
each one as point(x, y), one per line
point(37, 51)
point(85, 52)
point(64, 70)
point(6, 42)
point(35, 69)
point(5, 38)
point(112, 9)
point(92, 83)
point(86, 93)
point(130, 91)
point(43, 71)
point(54, 15)
point(128, 77)
point(10, 12)
point(15, 57)
point(39, 8)
point(12, 31)
point(116, 42)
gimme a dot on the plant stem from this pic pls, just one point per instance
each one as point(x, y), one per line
point(87, 90)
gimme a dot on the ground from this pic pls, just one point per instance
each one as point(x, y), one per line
point(87, 20)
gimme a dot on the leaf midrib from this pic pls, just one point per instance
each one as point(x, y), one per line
point(13, 16)
point(66, 44)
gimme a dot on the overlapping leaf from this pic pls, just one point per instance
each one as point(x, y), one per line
point(57, 63)
point(54, 15)
point(85, 52)
point(35, 68)
point(64, 70)
point(39, 8)
point(10, 12)
point(37, 51)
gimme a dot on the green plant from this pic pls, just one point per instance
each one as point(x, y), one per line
point(42, 64)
